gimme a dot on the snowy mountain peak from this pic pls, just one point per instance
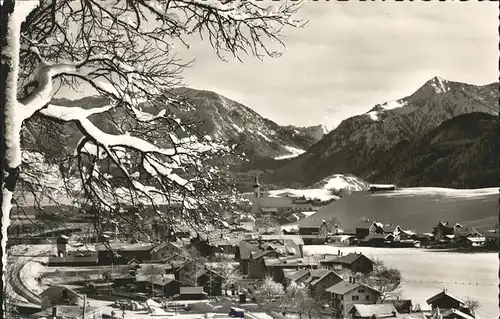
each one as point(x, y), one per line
point(439, 84)
point(380, 108)
point(435, 85)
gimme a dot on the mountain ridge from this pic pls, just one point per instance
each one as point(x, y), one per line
point(350, 147)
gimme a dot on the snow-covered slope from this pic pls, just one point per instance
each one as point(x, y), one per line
point(294, 152)
point(339, 182)
point(328, 189)
point(319, 194)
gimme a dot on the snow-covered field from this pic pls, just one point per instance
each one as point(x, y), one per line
point(416, 208)
point(316, 193)
point(451, 192)
point(294, 152)
point(325, 189)
point(336, 182)
point(425, 273)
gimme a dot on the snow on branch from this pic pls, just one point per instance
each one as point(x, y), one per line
point(124, 51)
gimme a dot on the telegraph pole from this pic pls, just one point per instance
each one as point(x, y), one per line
point(84, 304)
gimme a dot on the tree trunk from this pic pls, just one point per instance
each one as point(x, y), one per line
point(8, 174)
point(11, 17)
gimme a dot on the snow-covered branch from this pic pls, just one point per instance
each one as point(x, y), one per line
point(120, 152)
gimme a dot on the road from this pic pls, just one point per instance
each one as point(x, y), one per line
point(20, 269)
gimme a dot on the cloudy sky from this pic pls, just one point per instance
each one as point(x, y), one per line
point(353, 55)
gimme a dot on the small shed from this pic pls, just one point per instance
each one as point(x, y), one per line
point(59, 296)
point(191, 293)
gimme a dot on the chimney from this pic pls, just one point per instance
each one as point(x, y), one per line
point(444, 290)
point(353, 280)
point(350, 280)
point(260, 242)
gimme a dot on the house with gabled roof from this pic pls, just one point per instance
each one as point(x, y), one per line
point(164, 285)
point(193, 273)
point(355, 262)
point(472, 238)
point(297, 276)
point(445, 301)
point(378, 240)
point(291, 241)
point(492, 239)
point(58, 296)
point(445, 231)
point(347, 293)
point(401, 233)
point(243, 254)
point(313, 231)
point(271, 205)
point(256, 266)
point(366, 227)
point(119, 253)
point(275, 266)
point(166, 250)
point(362, 311)
point(322, 280)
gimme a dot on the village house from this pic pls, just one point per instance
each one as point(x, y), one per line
point(256, 266)
point(193, 274)
point(225, 243)
point(166, 250)
point(163, 285)
point(321, 280)
point(492, 240)
point(347, 293)
point(122, 253)
point(377, 240)
point(273, 205)
point(366, 227)
point(355, 262)
point(275, 266)
point(282, 238)
point(444, 231)
point(59, 296)
point(469, 238)
point(312, 226)
point(313, 231)
point(243, 254)
point(297, 276)
point(401, 234)
point(361, 311)
point(445, 301)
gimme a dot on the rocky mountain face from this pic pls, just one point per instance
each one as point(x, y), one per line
point(219, 117)
point(316, 131)
point(231, 121)
point(392, 141)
